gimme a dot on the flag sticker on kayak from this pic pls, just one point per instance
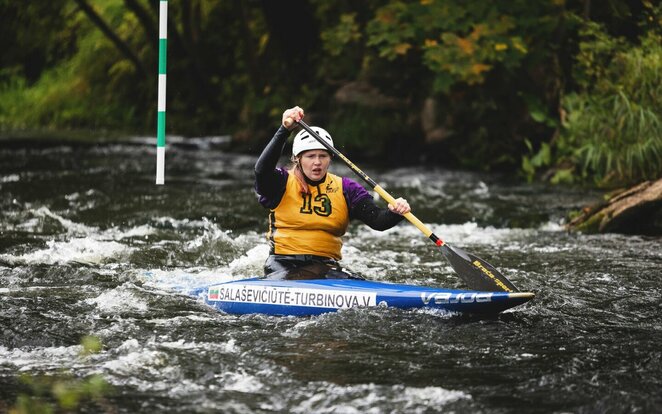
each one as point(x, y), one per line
point(291, 296)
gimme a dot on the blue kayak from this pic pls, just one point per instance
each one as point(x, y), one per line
point(317, 296)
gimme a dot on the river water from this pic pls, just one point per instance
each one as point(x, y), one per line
point(89, 245)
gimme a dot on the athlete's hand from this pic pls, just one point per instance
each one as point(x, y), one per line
point(401, 207)
point(291, 116)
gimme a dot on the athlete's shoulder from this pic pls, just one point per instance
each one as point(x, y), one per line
point(270, 197)
point(353, 191)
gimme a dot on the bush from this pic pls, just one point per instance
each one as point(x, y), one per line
point(612, 133)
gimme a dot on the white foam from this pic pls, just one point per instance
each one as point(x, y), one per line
point(435, 396)
point(552, 226)
point(130, 345)
point(78, 230)
point(80, 243)
point(212, 233)
point(371, 398)
point(179, 223)
point(72, 228)
point(250, 263)
point(481, 189)
point(39, 358)
point(80, 250)
point(11, 178)
point(184, 280)
point(465, 234)
point(118, 234)
point(550, 249)
point(241, 382)
point(471, 233)
point(299, 328)
point(149, 367)
point(180, 320)
point(604, 277)
point(118, 300)
point(29, 224)
point(144, 360)
point(33, 288)
point(437, 313)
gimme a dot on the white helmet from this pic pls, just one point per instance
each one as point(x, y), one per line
point(303, 141)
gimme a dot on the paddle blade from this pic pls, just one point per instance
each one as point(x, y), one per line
point(476, 272)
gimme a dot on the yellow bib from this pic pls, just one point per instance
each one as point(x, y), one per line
point(310, 223)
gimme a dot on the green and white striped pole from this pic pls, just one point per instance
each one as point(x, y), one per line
point(161, 104)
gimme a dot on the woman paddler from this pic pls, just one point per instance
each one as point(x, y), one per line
point(310, 208)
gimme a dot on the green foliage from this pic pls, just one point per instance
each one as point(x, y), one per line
point(83, 91)
point(563, 176)
point(613, 131)
point(61, 98)
point(64, 392)
point(458, 42)
point(91, 345)
point(362, 129)
point(33, 36)
point(496, 72)
point(532, 163)
point(49, 394)
point(346, 32)
point(474, 58)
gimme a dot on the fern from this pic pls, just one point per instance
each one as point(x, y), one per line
point(614, 130)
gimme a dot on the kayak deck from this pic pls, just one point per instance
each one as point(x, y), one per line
point(317, 296)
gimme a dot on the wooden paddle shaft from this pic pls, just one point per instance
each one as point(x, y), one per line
point(382, 193)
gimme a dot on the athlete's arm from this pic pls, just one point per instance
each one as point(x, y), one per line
point(269, 180)
point(375, 217)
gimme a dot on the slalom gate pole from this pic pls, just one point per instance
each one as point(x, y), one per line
point(161, 103)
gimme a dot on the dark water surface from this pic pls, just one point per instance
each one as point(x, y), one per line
point(89, 245)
